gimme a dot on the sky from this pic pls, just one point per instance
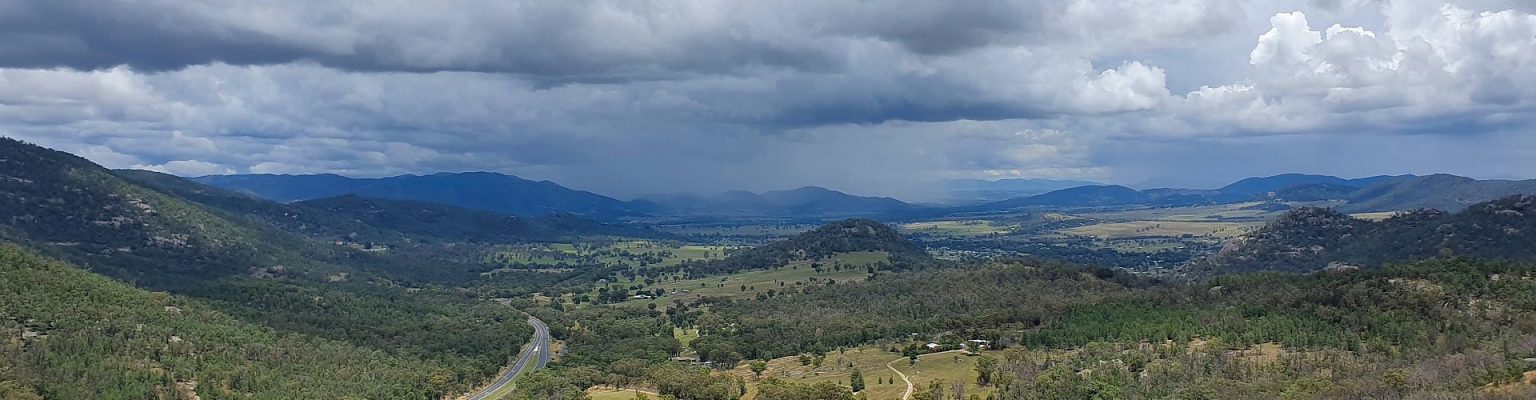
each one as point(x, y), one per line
point(632, 97)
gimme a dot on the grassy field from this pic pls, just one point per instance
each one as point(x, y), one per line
point(953, 367)
point(685, 336)
point(610, 394)
point(879, 381)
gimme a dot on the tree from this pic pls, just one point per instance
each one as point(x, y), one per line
point(758, 367)
point(856, 380)
point(546, 385)
point(629, 371)
point(775, 389)
point(935, 391)
point(911, 352)
point(986, 366)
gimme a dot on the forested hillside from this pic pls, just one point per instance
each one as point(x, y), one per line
point(852, 235)
point(69, 334)
point(1309, 239)
point(66, 207)
point(1440, 191)
point(69, 207)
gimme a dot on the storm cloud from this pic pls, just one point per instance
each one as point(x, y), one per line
point(634, 97)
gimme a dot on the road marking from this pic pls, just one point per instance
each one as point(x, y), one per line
point(540, 335)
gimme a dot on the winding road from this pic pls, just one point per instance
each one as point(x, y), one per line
point(908, 394)
point(534, 357)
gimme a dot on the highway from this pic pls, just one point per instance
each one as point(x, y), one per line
point(534, 357)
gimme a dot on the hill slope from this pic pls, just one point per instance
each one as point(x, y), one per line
point(69, 207)
point(63, 206)
point(69, 334)
point(847, 236)
point(487, 191)
point(1309, 239)
point(1441, 192)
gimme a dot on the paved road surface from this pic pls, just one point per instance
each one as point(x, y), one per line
point(534, 357)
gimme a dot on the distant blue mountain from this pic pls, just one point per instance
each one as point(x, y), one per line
point(1439, 191)
point(975, 190)
point(1285, 187)
point(487, 191)
point(1082, 196)
point(809, 201)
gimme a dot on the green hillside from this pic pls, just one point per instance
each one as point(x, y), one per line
point(69, 334)
point(1309, 239)
point(65, 207)
point(847, 236)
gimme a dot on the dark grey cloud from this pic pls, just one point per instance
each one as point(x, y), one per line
point(583, 40)
point(881, 97)
point(102, 34)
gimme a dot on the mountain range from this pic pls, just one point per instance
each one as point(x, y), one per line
point(487, 191)
point(981, 190)
point(805, 201)
point(1370, 194)
point(163, 231)
point(508, 194)
point(512, 195)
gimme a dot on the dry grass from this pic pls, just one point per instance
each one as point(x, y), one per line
point(879, 381)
